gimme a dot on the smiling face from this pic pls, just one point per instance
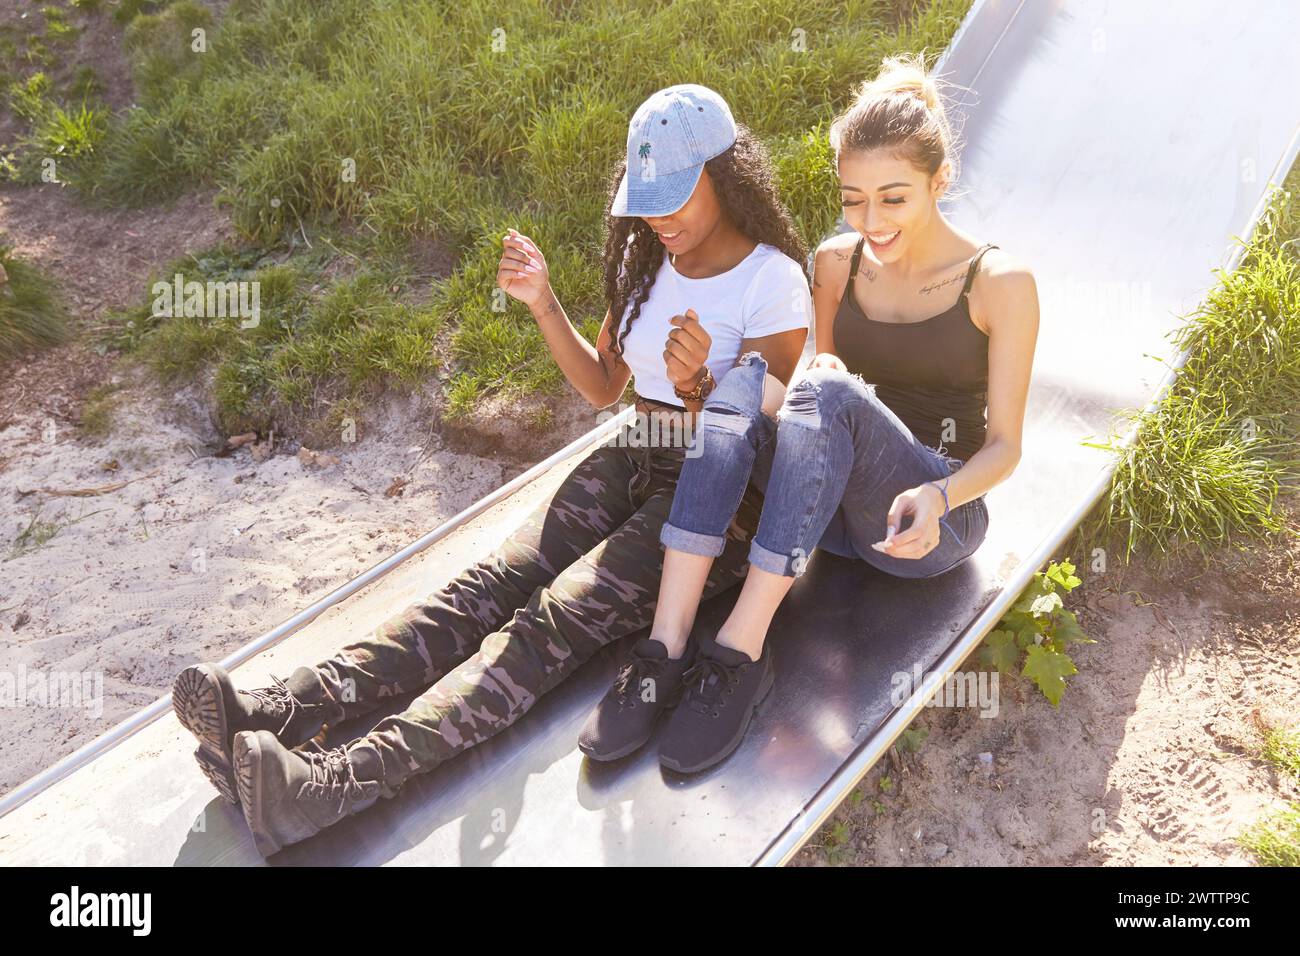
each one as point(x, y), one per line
point(888, 200)
point(685, 228)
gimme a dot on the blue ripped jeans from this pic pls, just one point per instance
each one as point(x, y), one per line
point(830, 465)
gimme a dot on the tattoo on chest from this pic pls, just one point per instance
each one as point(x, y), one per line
point(936, 286)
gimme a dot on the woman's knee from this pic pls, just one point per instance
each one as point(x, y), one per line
point(742, 389)
point(819, 390)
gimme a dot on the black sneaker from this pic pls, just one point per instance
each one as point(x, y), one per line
point(722, 690)
point(647, 685)
point(208, 706)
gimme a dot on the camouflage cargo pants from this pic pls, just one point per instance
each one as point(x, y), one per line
point(582, 571)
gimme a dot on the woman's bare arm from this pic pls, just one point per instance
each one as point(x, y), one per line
point(830, 281)
point(1007, 303)
point(599, 374)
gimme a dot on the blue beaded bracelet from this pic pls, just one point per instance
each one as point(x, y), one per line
point(944, 491)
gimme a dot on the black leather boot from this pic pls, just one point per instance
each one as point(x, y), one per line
point(288, 795)
point(207, 705)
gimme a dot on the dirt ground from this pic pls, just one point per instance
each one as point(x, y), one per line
point(125, 580)
point(1147, 761)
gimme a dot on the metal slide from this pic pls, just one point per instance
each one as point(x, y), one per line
point(1115, 146)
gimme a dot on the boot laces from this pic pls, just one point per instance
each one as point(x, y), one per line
point(278, 698)
point(332, 772)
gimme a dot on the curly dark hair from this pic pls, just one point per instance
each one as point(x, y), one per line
point(745, 183)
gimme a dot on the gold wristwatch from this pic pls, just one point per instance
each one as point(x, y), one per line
point(701, 389)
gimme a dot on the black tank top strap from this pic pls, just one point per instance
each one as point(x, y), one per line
point(974, 267)
point(857, 255)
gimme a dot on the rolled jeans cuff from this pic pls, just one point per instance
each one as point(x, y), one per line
point(774, 562)
point(692, 542)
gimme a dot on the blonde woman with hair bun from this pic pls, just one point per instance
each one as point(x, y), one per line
point(883, 450)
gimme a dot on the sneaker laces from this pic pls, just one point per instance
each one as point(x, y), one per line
point(278, 697)
point(632, 674)
point(708, 692)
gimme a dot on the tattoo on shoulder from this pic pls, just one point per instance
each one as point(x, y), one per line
point(936, 286)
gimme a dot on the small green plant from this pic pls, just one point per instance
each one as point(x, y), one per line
point(34, 536)
point(837, 842)
point(68, 134)
point(57, 27)
point(97, 412)
point(911, 739)
point(1039, 629)
point(28, 98)
point(38, 533)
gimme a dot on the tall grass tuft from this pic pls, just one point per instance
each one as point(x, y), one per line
point(30, 312)
point(1208, 462)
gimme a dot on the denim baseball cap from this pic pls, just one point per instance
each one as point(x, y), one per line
point(670, 137)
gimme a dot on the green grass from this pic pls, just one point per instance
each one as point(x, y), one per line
point(460, 121)
point(60, 140)
point(1275, 840)
point(317, 349)
point(57, 27)
point(1282, 749)
point(128, 10)
point(31, 314)
point(1208, 462)
point(58, 101)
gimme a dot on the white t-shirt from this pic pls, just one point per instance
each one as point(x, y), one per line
point(763, 294)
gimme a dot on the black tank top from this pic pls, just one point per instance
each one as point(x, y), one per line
point(924, 371)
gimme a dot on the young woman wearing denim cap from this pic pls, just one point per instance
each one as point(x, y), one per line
point(922, 331)
point(701, 263)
